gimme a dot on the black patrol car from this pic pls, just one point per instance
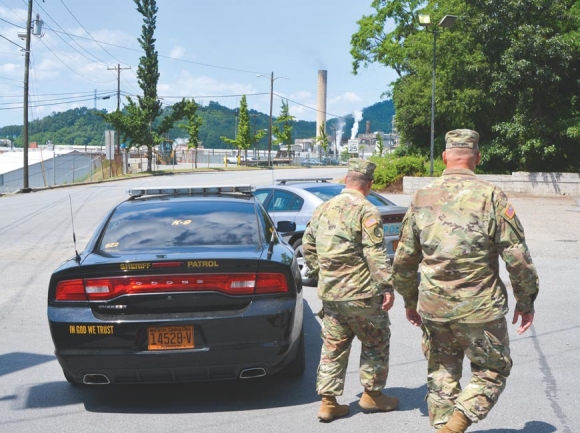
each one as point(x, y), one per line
point(177, 285)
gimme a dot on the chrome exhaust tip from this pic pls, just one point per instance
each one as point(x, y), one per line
point(96, 379)
point(250, 373)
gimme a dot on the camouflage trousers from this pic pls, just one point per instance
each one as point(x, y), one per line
point(486, 345)
point(341, 322)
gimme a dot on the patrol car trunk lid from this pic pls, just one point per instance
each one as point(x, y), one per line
point(179, 283)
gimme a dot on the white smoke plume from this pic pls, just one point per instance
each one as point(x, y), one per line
point(337, 143)
point(357, 118)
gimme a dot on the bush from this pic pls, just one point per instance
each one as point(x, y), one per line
point(391, 169)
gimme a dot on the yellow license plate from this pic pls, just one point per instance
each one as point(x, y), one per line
point(170, 337)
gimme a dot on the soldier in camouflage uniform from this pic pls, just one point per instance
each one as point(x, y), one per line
point(456, 228)
point(344, 248)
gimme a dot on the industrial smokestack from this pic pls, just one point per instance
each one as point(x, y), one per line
point(321, 115)
point(368, 124)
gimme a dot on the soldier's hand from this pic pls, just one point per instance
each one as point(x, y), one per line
point(527, 320)
point(413, 317)
point(388, 301)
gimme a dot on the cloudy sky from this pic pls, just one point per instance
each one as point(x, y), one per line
point(208, 50)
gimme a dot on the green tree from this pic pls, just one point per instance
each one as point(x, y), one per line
point(192, 126)
point(244, 137)
point(137, 122)
point(282, 129)
point(322, 139)
point(380, 148)
point(372, 44)
point(508, 69)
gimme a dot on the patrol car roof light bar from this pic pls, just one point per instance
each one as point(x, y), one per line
point(187, 190)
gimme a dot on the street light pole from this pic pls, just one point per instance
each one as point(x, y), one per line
point(270, 125)
point(446, 22)
point(432, 146)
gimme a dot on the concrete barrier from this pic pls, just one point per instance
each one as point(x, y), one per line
point(534, 184)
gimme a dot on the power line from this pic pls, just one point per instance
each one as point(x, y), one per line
point(47, 105)
point(75, 72)
point(35, 83)
point(11, 42)
point(128, 83)
point(210, 96)
point(10, 79)
point(101, 92)
point(12, 24)
point(66, 42)
point(68, 99)
point(12, 85)
point(15, 14)
point(310, 108)
point(70, 37)
point(171, 58)
point(83, 27)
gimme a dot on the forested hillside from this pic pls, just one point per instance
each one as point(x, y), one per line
point(380, 116)
point(85, 126)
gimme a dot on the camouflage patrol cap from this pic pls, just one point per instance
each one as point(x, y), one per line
point(462, 138)
point(362, 166)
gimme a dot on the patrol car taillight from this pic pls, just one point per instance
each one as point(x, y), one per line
point(71, 290)
point(271, 283)
point(101, 289)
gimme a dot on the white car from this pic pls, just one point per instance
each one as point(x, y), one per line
point(295, 200)
point(243, 160)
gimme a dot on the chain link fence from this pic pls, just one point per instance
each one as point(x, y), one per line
point(62, 169)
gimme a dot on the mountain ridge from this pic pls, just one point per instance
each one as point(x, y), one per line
point(85, 126)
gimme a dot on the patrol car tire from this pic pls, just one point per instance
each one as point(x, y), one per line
point(297, 245)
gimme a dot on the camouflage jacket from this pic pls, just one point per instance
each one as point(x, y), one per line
point(344, 248)
point(456, 228)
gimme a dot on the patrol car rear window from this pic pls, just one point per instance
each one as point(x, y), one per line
point(173, 224)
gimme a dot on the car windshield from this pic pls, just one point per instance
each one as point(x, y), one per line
point(163, 224)
point(326, 192)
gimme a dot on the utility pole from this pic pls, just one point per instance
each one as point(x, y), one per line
point(118, 69)
point(272, 79)
point(100, 97)
point(37, 32)
point(26, 187)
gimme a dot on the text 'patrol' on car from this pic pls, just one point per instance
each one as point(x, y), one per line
point(177, 285)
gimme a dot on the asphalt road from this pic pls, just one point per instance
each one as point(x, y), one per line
point(542, 395)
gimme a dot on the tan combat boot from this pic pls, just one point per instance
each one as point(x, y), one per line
point(330, 409)
point(376, 401)
point(458, 423)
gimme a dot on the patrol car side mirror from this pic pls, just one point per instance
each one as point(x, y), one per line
point(286, 226)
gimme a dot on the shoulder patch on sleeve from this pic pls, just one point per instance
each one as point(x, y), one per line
point(509, 211)
point(370, 222)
